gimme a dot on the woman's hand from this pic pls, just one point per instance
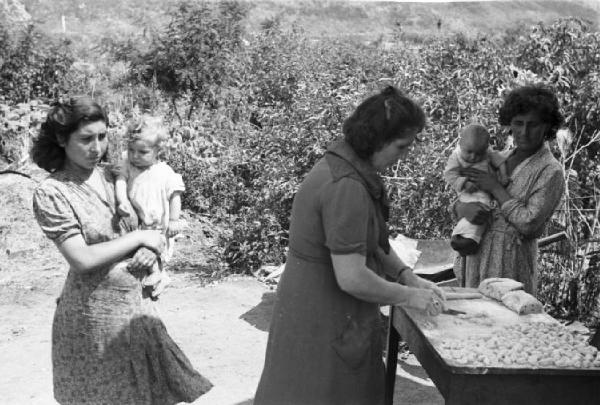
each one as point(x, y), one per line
point(426, 300)
point(433, 287)
point(483, 180)
point(153, 240)
point(476, 213)
point(142, 260)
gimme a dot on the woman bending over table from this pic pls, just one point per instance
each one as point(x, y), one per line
point(325, 340)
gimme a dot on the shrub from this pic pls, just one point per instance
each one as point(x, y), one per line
point(32, 66)
point(190, 57)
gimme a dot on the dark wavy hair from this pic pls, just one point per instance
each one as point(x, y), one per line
point(63, 119)
point(381, 119)
point(535, 98)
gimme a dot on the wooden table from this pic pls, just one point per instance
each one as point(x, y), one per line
point(466, 385)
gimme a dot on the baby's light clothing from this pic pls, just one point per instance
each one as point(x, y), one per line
point(452, 176)
point(149, 191)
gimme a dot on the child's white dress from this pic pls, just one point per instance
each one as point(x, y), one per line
point(149, 191)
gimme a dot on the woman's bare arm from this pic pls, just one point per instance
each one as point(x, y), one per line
point(400, 271)
point(86, 258)
point(393, 265)
point(356, 279)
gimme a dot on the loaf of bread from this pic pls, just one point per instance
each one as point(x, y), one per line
point(496, 287)
point(522, 303)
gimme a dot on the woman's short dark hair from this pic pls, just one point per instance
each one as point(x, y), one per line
point(63, 119)
point(380, 119)
point(532, 98)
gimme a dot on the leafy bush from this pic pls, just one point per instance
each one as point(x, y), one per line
point(190, 57)
point(32, 65)
point(566, 54)
point(261, 108)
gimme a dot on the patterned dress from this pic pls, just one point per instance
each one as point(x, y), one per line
point(325, 346)
point(108, 344)
point(509, 247)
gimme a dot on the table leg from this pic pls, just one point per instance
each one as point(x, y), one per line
point(463, 271)
point(596, 339)
point(391, 361)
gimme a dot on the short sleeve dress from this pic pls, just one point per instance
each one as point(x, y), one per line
point(108, 344)
point(325, 346)
point(150, 190)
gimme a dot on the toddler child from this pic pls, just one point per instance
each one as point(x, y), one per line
point(473, 151)
point(150, 186)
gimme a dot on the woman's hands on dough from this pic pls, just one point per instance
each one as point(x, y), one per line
point(426, 300)
point(433, 287)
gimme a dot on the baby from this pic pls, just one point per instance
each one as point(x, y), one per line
point(151, 187)
point(473, 151)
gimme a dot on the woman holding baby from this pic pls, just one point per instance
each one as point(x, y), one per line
point(527, 199)
point(108, 344)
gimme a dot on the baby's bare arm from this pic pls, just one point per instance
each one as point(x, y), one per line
point(175, 206)
point(121, 189)
point(175, 224)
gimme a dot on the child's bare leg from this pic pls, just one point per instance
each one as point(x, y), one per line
point(164, 281)
point(153, 276)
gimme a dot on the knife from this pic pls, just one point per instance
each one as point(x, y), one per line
point(450, 311)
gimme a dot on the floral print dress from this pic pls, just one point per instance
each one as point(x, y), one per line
point(108, 344)
point(509, 247)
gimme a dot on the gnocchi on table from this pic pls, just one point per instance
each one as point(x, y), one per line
point(529, 345)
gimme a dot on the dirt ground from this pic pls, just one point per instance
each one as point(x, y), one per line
point(220, 323)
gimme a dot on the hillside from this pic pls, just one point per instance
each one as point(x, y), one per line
point(369, 20)
point(365, 20)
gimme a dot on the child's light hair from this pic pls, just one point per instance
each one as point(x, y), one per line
point(148, 128)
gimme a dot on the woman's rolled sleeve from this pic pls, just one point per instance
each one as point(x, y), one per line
point(529, 216)
point(55, 215)
point(345, 216)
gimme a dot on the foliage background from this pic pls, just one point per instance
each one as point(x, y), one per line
point(252, 103)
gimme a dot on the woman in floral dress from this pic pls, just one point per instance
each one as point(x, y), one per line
point(108, 344)
point(535, 187)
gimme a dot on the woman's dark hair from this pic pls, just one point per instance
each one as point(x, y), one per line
point(63, 119)
point(534, 98)
point(380, 119)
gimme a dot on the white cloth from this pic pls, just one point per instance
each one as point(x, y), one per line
point(406, 249)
